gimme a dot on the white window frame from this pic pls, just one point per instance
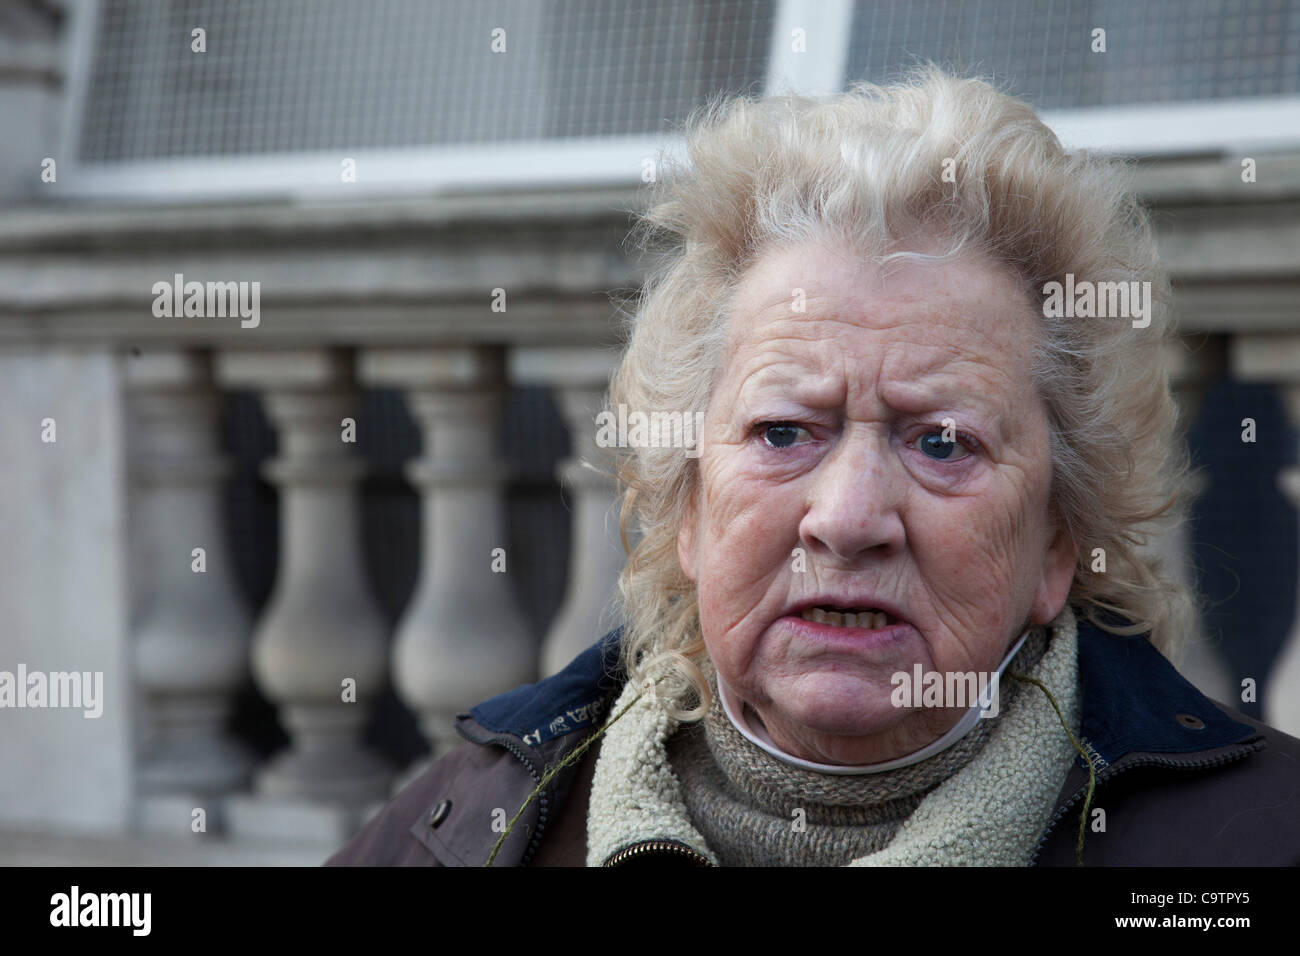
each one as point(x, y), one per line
point(1227, 126)
point(819, 69)
point(1232, 127)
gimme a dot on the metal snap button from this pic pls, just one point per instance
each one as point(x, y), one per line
point(1191, 722)
point(439, 813)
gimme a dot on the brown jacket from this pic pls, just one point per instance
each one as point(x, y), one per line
point(1182, 780)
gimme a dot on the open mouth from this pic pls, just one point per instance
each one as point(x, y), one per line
point(867, 617)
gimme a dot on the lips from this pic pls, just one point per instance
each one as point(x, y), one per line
point(848, 610)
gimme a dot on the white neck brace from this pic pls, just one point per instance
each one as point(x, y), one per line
point(758, 735)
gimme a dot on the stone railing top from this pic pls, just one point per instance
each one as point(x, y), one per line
point(509, 268)
point(54, 226)
point(525, 269)
point(1194, 180)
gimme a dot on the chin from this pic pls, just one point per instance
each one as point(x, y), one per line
point(837, 703)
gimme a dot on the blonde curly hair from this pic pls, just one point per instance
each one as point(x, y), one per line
point(866, 168)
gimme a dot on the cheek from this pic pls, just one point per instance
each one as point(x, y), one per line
point(749, 530)
point(976, 556)
point(748, 538)
point(747, 520)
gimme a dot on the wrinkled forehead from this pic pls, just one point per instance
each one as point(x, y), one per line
point(814, 306)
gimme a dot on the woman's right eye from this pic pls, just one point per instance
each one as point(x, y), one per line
point(783, 434)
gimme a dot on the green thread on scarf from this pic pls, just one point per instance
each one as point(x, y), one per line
point(550, 774)
point(1092, 770)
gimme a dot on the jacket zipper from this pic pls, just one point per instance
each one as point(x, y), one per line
point(1114, 770)
point(659, 846)
point(541, 799)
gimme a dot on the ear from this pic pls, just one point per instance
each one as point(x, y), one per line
point(686, 537)
point(1056, 577)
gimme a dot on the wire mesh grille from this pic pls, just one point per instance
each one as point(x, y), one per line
point(291, 75)
point(1157, 51)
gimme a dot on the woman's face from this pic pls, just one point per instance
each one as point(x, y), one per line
point(827, 480)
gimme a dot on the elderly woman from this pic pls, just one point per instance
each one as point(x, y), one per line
point(894, 608)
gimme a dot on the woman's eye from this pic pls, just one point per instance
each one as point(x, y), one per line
point(783, 434)
point(934, 446)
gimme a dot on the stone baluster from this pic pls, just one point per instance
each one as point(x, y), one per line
point(580, 380)
point(192, 630)
point(462, 638)
point(1197, 362)
point(1276, 359)
point(319, 647)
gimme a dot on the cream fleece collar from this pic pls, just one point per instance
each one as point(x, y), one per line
point(990, 813)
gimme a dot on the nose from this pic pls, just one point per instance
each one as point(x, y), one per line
point(853, 510)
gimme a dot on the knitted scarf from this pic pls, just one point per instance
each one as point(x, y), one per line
point(983, 801)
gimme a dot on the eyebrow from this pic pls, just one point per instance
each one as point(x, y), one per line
point(813, 390)
point(914, 396)
point(904, 397)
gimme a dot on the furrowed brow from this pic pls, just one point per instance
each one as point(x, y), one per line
point(918, 397)
point(797, 385)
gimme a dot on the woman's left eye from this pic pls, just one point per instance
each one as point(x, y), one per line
point(783, 434)
point(933, 445)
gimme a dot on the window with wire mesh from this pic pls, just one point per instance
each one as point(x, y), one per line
point(1156, 51)
point(303, 75)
